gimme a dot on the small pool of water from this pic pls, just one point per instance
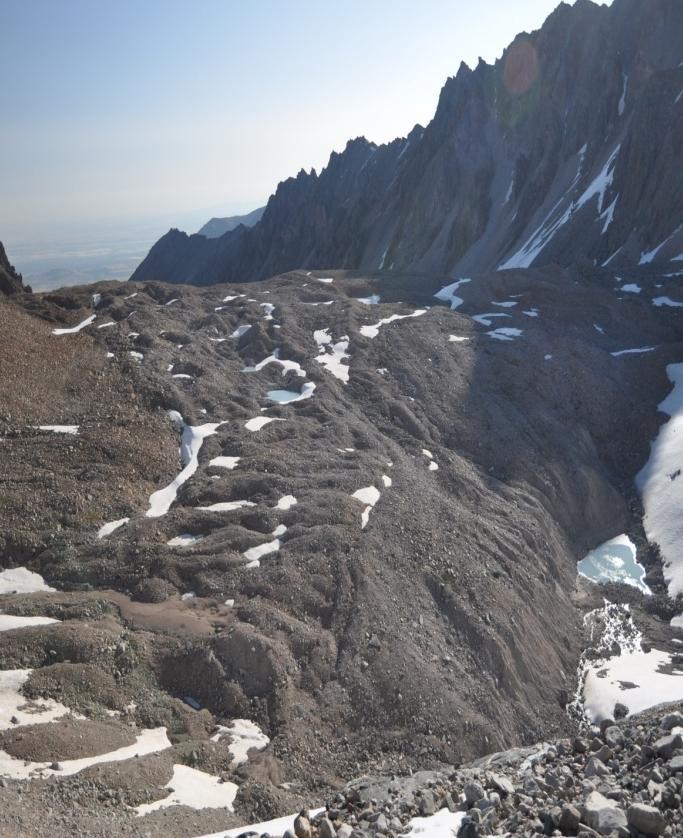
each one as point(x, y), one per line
point(614, 561)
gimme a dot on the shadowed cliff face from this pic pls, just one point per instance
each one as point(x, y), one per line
point(10, 280)
point(566, 149)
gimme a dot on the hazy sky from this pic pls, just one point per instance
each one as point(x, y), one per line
point(135, 108)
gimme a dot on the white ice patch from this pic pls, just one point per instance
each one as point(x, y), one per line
point(96, 300)
point(112, 526)
point(240, 330)
point(181, 375)
point(149, 741)
point(19, 580)
point(9, 622)
point(631, 288)
point(287, 366)
point(225, 462)
point(634, 678)
point(186, 539)
point(369, 496)
point(373, 331)
point(457, 339)
point(326, 280)
point(505, 304)
point(448, 295)
point(666, 301)
point(59, 429)
point(608, 215)
point(106, 325)
point(541, 237)
point(444, 824)
point(278, 826)
point(74, 329)
point(192, 438)
point(547, 357)
point(332, 355)
point(598, 328)
point(259, 422)
point(660, 483)
point(531, 312)
point(386, 480)
point(622, 98)
point(637, 351)
point(193, 788)
point(614, 561)
point(170, 302)
point(650, 255)
point(26, 711)
point(372, 300)
point(286, 502)
point(254, 554)
point(226, 506)
point(290, 396)
point(137, 355)
point(245, 735)
point(505, 333)
point(485, 319)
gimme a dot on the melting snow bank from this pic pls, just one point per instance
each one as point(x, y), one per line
point(192, 438)
point(190, 787)
point(444, 824)
point(59, 429)
point(8, 622)
point(638, 351)
point(637, 679)
point(149, 741)
point(112, 526)
point(369, 496)
point(332, 354)
point(259, 422)
point(74, 329)
point(254, 554)
point(287, 366)
point(19, 580)
point(448, 295)
point(26, 711)
point(225, 462)
point(278, 826)
point(661, 485)
point(245, 736)
point(505, 333)
point(614, 561)
point(373, 331)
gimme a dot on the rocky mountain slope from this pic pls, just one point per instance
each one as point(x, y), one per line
point(216, 227)
point(371, 527)
point(565, 149)
point(10, 280)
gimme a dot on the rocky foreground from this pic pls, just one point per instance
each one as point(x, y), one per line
point(622, 779)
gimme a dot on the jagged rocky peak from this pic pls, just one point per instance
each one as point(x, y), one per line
point(10, 281)
point(563, 150)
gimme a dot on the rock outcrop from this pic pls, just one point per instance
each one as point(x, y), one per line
point(10, 280)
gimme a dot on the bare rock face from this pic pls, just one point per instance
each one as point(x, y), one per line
point(10, 280)
point(565, 149)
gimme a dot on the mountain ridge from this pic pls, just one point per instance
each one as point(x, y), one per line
point(501, 176)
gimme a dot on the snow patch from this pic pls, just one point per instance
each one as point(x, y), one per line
point(259, 422)
point(245, 735)
point(27, 711)
point(112, 526)
point(637, 351)
point(331, 355)
point(372, 331)
point(59, 429)
point(225, 462)
point(193, 788)
point(74, 329)
point(505, 333)
point(191, 441)
point(666, 301)
point(290, 396)
point(660, 483)
point(448, 295)
point(19, 580)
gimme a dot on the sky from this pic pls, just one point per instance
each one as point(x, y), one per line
point(120, 112)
